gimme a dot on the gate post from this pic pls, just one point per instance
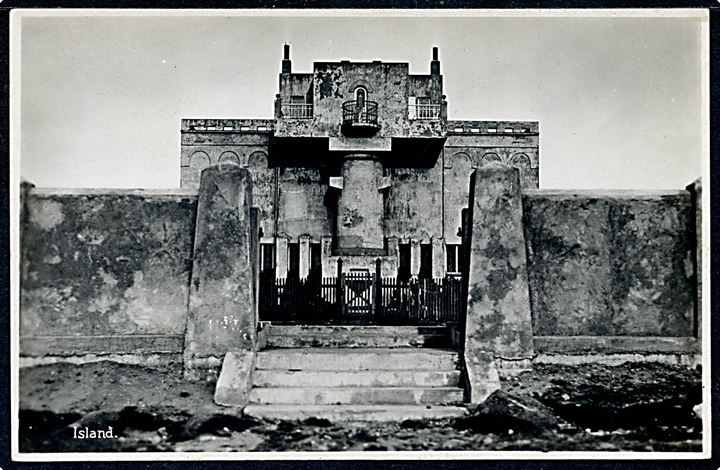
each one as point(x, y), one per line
point(378, 288)
point(221, 305)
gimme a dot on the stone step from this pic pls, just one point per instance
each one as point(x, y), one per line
point(350, 340)
point(356, 336)
point(358, 378)
point(357, 359)
point(354, 413)
point(356, 395)
point(275, 329)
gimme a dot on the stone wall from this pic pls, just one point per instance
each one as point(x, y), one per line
point(302, 209)
point(105, 270)
point(610, 263)
point(109, 270)
point(413, 206)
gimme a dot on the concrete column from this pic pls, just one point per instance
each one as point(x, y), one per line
point(304, 256)
point(329, 264)
point(281, 256)
point(221, 309)
point(414, 257)
point(393, 248)
point(498, 309)
point(438, 257)
point(359, 221)
point(695, 189)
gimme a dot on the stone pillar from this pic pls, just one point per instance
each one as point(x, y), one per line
point(281, 256)
point(329, 264)
point(695, 189)
point(414, 258)
point(304, 241)
point(221, 310)
point(498, 309)
point(359, 221)
point(393, 249)
point(438, 258)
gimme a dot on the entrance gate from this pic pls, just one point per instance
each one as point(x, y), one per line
point(359, 299)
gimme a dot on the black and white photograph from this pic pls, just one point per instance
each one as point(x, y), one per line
point(359, 234)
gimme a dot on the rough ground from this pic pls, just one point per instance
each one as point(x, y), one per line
point(637, 407)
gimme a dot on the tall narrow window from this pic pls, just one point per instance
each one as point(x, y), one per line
point(360, 96)
point(360, 104)
point(425, 260)
point(315, 260)
point(453, 256)
point(267, 255)
point(294, 260)
point(404, 262)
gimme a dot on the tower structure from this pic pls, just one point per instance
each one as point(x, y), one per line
point(359, 163)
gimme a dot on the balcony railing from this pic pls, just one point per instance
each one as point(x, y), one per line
point(297, 111)
point(365, 114)
point(424, 112)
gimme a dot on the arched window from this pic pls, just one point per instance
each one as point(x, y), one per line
point(360, 95)
point(360, 103)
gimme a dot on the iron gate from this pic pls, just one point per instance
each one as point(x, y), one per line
point(360, 298)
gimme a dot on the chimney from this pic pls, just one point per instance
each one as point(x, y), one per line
point(435, 64)
point(286, 64)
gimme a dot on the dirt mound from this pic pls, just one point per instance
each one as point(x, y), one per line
point(503, 412)
point(640, 407)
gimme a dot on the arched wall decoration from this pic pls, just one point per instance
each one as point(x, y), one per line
point(461, 159)
point(258, 159)
point(521, 160)
point(360, 84)
point(199, 159)
point(490, 157)
point(229, 157)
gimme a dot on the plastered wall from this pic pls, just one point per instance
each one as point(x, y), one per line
point(106, 263)
point(614, 263)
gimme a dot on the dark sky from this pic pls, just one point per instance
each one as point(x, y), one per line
point(619, 99)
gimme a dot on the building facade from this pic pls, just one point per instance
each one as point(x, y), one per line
point(359, 163)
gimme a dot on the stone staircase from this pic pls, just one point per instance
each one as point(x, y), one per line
point(356, 373)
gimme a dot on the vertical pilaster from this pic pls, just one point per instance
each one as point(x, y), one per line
point(414, 258)
point(438, 257)
point(304, 241)
point(329, 266)
point(281, 256)
point(393, 250)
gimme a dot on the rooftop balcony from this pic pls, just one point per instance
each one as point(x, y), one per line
point(424, 112)
point(297, 111)
point(360, 119)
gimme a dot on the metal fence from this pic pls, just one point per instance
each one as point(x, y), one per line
point(424, 112)
point(297, 111)
point(360, 298)
point(359, 114)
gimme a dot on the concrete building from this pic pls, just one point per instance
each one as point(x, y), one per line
point(304, 264)
point(360, 162)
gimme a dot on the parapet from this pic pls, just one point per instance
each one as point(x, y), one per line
point(227, 125)
point(493, 127)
